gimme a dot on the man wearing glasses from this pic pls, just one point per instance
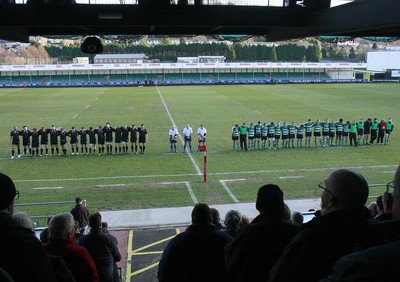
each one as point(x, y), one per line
point(337, 232)
point(378, 263)
point(22, 256)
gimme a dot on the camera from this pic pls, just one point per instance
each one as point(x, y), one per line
point(92, 45)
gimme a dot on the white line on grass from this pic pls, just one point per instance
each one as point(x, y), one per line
point(48, 188)
point(390, 171)
point(87, 106)
point(110, 185)
point(291, 177)
point(258, 112)
point(75, 116)
point(180, 137)
point(210, 173)
point(377, 185)
point(238, 103)
point(190, 190)
point(223, 183)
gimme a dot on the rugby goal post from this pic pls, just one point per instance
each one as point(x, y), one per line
point(204, 149)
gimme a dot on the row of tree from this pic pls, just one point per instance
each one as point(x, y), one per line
point(170, 52)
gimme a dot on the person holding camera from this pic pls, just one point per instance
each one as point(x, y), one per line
point(81, 214)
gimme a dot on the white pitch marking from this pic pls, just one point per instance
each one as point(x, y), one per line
point(180, 137)
point(258, 112)
point(190, 190)
point(168, 183)
point(48, 188)
point(87, 106)
point(389, 172)
point(223, 183)
point(110, 185)
point(75, 116)
point(238, 103)
point(96, 99)
point(194, 199)
point(291, 177)
point(376, 185)
point(213, 173)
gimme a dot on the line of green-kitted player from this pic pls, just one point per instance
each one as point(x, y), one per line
point(325, 133)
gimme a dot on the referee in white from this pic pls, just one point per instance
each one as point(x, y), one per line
point(187, 132)
point(201, 136)
point(173, 135)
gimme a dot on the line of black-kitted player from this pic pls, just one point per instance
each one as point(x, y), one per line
point(36, 142)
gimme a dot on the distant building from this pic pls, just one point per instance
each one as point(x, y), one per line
point(81, 60)
point(119, 58)
point(202, 59)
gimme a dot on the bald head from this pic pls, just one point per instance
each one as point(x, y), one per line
point(344, 189)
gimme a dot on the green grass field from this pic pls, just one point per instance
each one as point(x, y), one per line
point(161, 179)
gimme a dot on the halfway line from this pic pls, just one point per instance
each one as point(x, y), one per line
point(180, 137)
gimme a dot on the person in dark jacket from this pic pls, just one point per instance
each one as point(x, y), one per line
point(103, 248)
point(81, 214)
point(258, 246)
point(196, 254)
point(21, 255)
point(340, 230)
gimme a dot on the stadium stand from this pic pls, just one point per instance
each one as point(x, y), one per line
point(177, 74)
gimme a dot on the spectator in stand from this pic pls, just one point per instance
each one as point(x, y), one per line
point(44, 235)
point(297, 218)
point(104, 226)
point(103, 247)
point(378, 263)
point(216, 219)
point(232, 221)
point(287, 213)
point(63, 274)
point(256, 248)
point(78, 233)
point(387, 202)
point(379, 206)
point(339, 230)
point(22, 256)
point(196, 254)
point(81, 214)
point(62, 243)
point(373, 209)
point(245, 221)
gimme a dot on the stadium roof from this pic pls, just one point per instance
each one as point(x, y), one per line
point(281, 20)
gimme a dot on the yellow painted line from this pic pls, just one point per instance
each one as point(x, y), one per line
point(144, 269)
point(136, 252)
point(153, 244)
point(129, 256)
point(148, 253)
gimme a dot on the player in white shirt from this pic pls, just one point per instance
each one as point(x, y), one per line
point(187, 132)
point(173, 136)
point(201, 136)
